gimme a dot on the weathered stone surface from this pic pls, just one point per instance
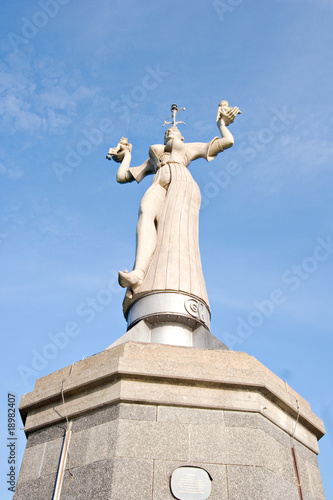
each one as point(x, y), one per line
point(48, 434)
point(40, 460)
point(316, 482)
point(310, 478)
point(132, 479)
point(156, 440)
point(147, 409)
point(115, 412)
point(169, 375)
point(208, 444)
point(305, 453)
point(89, 482)
point(93, 444)
point(98, 417)
point(255, 421)
point(254, 447)
point(32, 463)
point(189, 415)
point(38, 489)
point(279, 455)
point(194, 436)
point(257, 483)
point(307, 496)
point(116, 479)
point(137, 412)
point(51, 457)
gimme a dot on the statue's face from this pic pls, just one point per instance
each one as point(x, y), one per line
point(224, 105)
point(172, 133)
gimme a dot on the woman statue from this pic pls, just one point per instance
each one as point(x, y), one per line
point(167, 237)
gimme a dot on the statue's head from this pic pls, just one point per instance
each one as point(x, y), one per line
point(172, 133)
point(224, 104)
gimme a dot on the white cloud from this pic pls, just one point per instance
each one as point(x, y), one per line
point(57, 122)
point(10, 173)
point(37, 95)
point(27, 121)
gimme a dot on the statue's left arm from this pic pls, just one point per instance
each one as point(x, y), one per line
point(225, 116)
point(226, 141)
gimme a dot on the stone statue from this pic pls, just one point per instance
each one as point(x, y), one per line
point(167, 238)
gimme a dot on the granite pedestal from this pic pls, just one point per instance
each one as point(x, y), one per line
point(138, 411)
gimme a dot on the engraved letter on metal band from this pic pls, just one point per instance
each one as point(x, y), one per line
point(196, 309)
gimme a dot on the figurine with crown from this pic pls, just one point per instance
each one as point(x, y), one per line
point(167, 271)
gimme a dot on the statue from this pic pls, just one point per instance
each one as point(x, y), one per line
point(167, 238)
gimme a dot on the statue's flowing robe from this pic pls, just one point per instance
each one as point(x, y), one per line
point(176, 263)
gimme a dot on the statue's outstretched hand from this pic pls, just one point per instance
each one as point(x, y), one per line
point(117, 154)
point(226, 114)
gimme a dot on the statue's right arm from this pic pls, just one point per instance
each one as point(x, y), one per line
point(123, 174)
point(126, 173)
point(138, 173)
point(129, 174)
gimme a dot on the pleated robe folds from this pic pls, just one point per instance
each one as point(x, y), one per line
point(176, 262)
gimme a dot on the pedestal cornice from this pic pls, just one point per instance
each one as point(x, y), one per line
point(170, 375)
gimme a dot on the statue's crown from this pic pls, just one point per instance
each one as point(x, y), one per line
point(174, 111)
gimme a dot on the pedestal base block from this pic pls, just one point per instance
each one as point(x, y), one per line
point(171, 333)
point(139, 411)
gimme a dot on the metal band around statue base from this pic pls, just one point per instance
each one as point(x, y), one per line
point(169, 307)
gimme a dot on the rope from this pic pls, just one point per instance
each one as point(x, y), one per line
point(64, 460)
point(294, 454)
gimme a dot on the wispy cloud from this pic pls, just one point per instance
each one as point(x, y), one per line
point(37, 96)
point(11, 173)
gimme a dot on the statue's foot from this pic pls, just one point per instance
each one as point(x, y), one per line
point(133, 279)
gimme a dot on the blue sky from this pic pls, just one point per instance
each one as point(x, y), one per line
point(77, 76)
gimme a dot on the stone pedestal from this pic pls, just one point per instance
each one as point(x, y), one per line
point(138, 411)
